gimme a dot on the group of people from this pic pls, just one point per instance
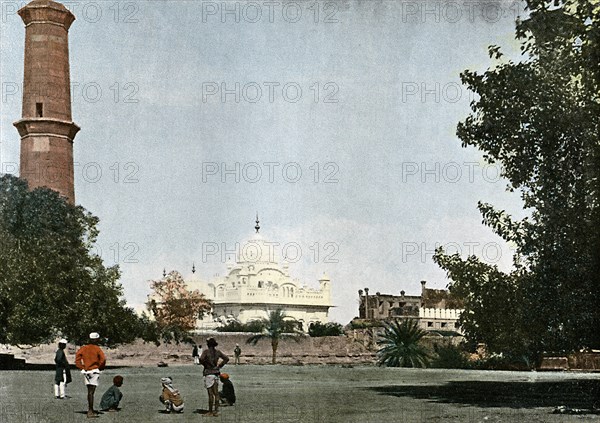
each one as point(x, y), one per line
point(213, 360)
point(90, 359)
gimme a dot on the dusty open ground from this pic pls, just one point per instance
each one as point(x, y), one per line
point(315, 394)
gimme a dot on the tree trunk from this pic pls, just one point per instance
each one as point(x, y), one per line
point(274, 344)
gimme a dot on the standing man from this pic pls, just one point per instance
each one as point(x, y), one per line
point(196, 355)
point(212, 368)
point(63, 372)
point(90, 359)
point(237, 352)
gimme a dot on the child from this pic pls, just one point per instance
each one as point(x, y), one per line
point(170, 396)
point(228, 393)
point(63, 372)
point(111, 398)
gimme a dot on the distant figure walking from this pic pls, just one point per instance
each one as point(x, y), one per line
point(170, 396)
point(91, 360)
point(196, 355)
point(237, 352)
point(212, 368)
point(63, 372)
point(113, 396)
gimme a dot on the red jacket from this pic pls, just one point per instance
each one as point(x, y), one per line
point(90, 357)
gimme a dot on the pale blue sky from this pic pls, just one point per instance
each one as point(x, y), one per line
point(390, 69)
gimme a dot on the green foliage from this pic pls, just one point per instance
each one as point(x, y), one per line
point(400, 345)
point(175, 309)
point(328, 329)
point(540, 119)
point(51, 282)
point(276, 327)
point(449, 356)
point(364, 324)
point(503, 362)
point(234, 326)
point(488, 293)
point(148, 330)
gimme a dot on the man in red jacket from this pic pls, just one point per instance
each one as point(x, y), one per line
point(90, 359)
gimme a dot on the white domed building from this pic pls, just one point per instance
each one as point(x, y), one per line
point(257, 283)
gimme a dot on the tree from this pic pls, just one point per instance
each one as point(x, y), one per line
point(400, 344)
point(327, 329)
point(175, 309)
point(51, 282)
point(276, 327)
point(540, 119)
point(235, 326)
point(449, 356)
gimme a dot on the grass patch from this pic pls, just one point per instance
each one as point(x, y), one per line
point(327, 394)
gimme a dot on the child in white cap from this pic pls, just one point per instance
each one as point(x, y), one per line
point(170, 396)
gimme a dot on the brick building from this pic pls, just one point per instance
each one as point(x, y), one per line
point(435, 309)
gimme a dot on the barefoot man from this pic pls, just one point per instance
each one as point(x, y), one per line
point(90, 359)
point(212, 368)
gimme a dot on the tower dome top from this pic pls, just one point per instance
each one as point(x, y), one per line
point(257, 249)
point(43, 11)
point(49, 3)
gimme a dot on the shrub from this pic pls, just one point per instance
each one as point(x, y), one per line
point(364, 324)
point(328, 329)
point(450, 357)
point(400, 345)
point(504, 362)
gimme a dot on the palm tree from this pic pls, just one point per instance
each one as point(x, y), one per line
point(276, 327)
point(400, 345)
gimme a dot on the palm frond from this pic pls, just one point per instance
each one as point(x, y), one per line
point(400, 345)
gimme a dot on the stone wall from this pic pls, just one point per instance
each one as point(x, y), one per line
point(576, 361)
point(322, 350)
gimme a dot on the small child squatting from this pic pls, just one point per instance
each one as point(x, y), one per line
point(113, 396)
point(170, 396)
point(227, 395)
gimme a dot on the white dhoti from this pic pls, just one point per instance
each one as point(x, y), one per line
point(210, 380)
point(91, 376)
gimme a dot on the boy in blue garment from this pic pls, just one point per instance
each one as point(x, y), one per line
point(111, 398)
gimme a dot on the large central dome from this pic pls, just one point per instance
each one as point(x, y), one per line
point(257, 249)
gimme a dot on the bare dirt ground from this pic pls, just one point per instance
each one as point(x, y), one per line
point(315, 394)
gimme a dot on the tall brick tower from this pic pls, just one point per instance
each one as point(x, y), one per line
point(46, 128)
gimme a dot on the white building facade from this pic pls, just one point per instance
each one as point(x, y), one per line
point(257, 284)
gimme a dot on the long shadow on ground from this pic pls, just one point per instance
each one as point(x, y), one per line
point(572, 393)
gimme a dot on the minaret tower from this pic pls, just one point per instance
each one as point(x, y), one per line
point(46, 128)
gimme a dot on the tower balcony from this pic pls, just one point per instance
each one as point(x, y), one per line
point(47, 126)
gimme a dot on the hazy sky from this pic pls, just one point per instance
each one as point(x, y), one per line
point(335, 121)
